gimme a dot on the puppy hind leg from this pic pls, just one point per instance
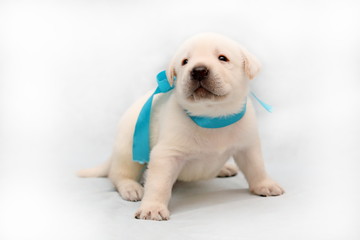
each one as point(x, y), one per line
point(125, 175)
point(228, 170)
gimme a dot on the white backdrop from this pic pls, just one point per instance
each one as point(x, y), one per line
point(69, 69)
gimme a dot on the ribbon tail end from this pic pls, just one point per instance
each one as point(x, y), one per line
point(139, 161)
point(269, 108)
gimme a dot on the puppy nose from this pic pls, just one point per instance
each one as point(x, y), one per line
point(199, 73)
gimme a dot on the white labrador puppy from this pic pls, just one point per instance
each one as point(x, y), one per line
point(212, 79)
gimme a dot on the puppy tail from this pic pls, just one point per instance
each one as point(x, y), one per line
point(99, 171)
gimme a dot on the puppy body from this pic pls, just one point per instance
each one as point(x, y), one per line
point(182, 150)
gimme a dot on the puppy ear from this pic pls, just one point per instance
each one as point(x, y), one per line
point(171, 73)
point(251, 64)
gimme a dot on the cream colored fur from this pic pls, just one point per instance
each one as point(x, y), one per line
point(181, 150)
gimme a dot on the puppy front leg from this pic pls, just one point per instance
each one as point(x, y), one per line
point(163, 170)
point(251, 164)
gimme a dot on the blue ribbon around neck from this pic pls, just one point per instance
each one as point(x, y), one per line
point(218, 122)
point(141, 139)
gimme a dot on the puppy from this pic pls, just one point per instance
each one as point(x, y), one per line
point(212, 76)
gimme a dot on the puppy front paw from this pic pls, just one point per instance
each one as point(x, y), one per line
point(267, 188)
point(153, 211)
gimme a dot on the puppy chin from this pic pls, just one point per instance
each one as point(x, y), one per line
point(212, 106)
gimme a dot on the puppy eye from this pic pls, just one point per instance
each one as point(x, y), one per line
point(223, 58)
point(184, 62)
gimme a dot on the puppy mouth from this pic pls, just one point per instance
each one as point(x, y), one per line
point(203, 92)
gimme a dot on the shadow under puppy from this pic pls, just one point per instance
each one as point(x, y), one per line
point(212, 75)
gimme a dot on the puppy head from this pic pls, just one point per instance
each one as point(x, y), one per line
point(212, 74)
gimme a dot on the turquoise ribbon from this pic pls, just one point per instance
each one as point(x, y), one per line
point(141, 139)
point(218, 122)
point(266, 106)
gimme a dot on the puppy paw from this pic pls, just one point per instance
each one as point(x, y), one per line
point(153, 211)
point(228, 170)
point(130, 190)
point(267, 188)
